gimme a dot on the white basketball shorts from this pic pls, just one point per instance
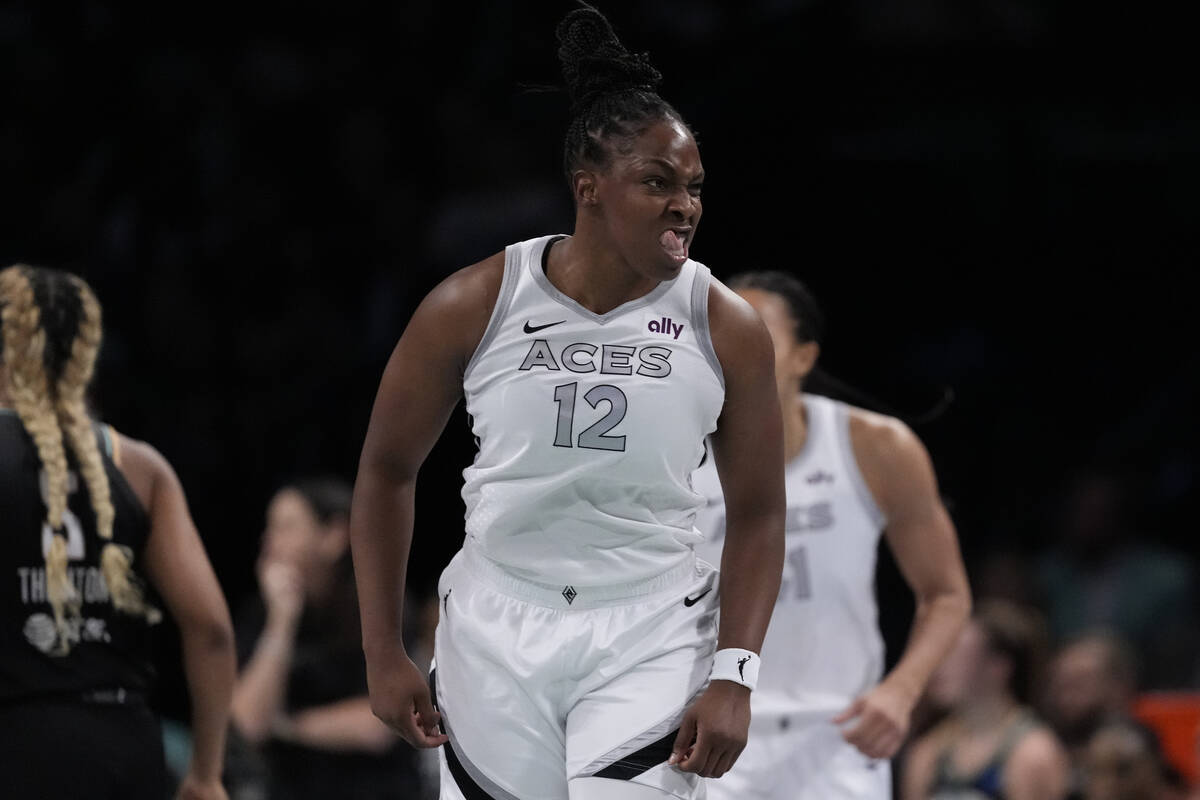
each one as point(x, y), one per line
point(538, 685)
point(798, 757)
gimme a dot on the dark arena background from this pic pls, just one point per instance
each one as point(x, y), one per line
point(996, 199)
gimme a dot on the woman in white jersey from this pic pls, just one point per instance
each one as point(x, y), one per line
point(577, 654)
point(850, 475)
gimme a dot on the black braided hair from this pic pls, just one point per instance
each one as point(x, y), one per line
point(61, 310)
point(614, 93)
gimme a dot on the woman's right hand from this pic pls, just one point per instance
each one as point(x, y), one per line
point(400, 697)
point(282, 590)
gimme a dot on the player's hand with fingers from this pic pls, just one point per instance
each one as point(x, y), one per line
point(714, 730)
point(283, 591)
point(880, 720)
point(400, 697)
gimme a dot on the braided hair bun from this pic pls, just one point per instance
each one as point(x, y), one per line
point(595, 63)
point(614, 93)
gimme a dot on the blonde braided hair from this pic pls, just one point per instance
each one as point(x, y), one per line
point(46, 410)
point(29, 391)
point(116, 561)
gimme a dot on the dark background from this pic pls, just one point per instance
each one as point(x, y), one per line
point(995, 196)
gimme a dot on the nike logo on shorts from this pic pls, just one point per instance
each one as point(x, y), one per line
point(691, 601)
point(535, 328)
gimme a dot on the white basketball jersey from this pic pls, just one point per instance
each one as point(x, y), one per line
point(823, 646)
point(589, 426)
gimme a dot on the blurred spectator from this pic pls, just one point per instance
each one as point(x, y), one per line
point(1123, 761)
point(1092, 678)
point(301, 695)
point(1101, 575)
point(991, 744)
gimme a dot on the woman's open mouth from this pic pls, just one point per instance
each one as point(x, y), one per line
point(675, 243)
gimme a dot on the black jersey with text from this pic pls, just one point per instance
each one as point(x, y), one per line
point(110, 650)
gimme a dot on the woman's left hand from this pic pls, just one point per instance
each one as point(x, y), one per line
point(714, 730)
point(883, 718)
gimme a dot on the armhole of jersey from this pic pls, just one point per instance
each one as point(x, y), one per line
point(107, 439)
point(508, 287)
point(700, 284)
point(114, 444)
point(841, 417)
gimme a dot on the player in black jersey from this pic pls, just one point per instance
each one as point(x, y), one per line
point(94, 532)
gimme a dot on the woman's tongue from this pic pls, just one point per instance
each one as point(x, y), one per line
point(673, 243)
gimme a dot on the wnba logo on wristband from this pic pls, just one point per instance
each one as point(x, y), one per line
point(724, 662)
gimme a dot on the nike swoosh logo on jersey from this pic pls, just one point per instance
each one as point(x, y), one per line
point(535, 328)
point(691, 601)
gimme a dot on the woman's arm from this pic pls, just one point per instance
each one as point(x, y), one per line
point(918, 767)
point(258, 695)
point(345, 726)
point(920, 533)
point(180, 571)
point(1038, 768)
point(748, 451)
point(420, 387)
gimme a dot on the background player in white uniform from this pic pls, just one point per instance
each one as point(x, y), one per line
point(850, 474)
point(578, 629)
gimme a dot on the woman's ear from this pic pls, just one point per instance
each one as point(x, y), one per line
point(583, 183)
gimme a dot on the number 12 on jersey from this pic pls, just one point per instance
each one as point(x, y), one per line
point(594, 437)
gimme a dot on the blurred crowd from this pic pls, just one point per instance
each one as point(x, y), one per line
point(1080, 667)
point(1081, 664)
point(259, 201)
point(302, 726)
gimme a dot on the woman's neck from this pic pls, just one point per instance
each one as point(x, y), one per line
point(795, 424)
point(593, 276)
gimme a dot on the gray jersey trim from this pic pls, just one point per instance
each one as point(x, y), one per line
point(539, 277)
point(700, 284)
point(105, 433)
point(644, 738)
point(508, 287)
point(841, 418)
point(484, 783)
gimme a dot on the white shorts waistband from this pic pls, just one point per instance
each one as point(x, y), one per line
point(567, 596)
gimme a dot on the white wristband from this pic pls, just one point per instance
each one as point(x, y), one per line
point(737, 665)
